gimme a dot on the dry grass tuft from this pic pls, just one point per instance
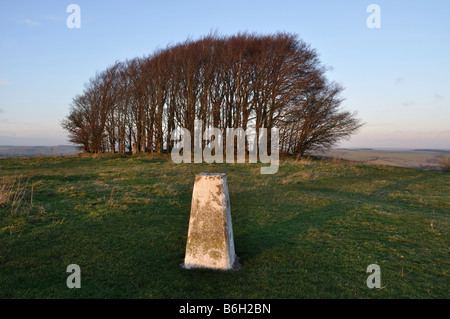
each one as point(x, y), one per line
point(12, 192)
point(445, 163)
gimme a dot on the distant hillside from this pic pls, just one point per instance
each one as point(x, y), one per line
point(418, 158)
point(31, 151)
point(432, 150)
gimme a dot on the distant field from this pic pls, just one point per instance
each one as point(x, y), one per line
point(309, 231)
point(424, 159)
point(31, 151)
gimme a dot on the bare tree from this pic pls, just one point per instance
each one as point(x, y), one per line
point(316, 121)
point(244, 80)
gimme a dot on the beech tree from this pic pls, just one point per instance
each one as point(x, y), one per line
point(240, 81)
point(315, 121)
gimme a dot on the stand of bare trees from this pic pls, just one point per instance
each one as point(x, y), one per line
point(244, 81)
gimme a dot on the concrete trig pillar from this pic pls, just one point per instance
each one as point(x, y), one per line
point(210, 241)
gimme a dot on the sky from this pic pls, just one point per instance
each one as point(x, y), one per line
point(396, 77)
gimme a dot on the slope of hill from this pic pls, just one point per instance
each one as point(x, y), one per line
point(309, 231)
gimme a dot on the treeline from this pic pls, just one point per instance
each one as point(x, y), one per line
point(244, 80)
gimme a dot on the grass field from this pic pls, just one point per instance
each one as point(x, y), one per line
point(309, 231)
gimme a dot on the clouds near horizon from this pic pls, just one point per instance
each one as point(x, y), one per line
point(32, 22)
point(4, 83)
point(399, 80)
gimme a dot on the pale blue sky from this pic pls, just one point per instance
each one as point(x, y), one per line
point(396, 77)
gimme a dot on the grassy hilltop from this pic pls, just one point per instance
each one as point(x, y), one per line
point(309, 231)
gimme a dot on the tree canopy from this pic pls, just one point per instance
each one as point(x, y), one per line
point(240, 81)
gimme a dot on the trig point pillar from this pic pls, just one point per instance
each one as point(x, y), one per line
point(210, 241)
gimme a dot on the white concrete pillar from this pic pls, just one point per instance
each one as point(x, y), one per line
point(210, 241)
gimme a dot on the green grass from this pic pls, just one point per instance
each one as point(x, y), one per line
point(309, 231)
